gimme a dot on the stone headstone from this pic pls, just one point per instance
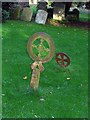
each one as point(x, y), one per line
point(41, 17)
point(26, 14)
point(73, 15)
point(15, 13)
point(59, 11)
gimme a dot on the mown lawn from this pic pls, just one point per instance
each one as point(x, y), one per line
point(0, 72)
point(62, 98)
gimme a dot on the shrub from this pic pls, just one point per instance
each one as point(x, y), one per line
point(5, 15)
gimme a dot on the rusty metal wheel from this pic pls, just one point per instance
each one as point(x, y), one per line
point(41, 47)
point(62, 59)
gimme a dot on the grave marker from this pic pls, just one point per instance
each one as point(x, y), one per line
point(15, 12)
point(41, 49)
point(62, 59)
point(42, 5)
point(26, 14)
point(41, 17)
point(73, 15)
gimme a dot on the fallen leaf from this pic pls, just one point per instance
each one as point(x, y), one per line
point(42, 99)
point(52, 116)
point(35, 116)
point(68, 78)
point(25, 77)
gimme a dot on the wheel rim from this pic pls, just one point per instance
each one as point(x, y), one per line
point(62, 59)
point(43, 45)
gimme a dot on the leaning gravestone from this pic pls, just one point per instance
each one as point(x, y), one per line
point(59, 11)
point(26, 14)
point(41, 17)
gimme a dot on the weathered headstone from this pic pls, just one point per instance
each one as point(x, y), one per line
point(15, 13)
point(59, 11)
point(73, 15)
point(26, 14)
point(41, 17)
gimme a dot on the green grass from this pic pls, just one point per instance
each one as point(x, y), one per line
point(62, 98)
point(0, 71)
point(84, 17)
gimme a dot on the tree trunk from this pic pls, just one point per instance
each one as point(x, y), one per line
point(67, 7)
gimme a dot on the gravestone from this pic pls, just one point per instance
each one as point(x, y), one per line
point(26, 14)
point(15, 13)
point(41, 17)
point(73, 15)
point(45, 52)
point(59, 11)
point(42, 5)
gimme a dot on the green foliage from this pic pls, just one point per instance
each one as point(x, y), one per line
point(58, 96)
point(5, 15)
point(34, 9)
point(84, 17)
point(50, 3)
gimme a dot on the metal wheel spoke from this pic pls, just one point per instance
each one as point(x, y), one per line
point(47, 49)
point(59, 59)
point(35, 46)
point(39, 55)
point(44, 48)
point(41, 41)
point(65, 60)
point(62, 56)
point(63, 63)
point(62, 59)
